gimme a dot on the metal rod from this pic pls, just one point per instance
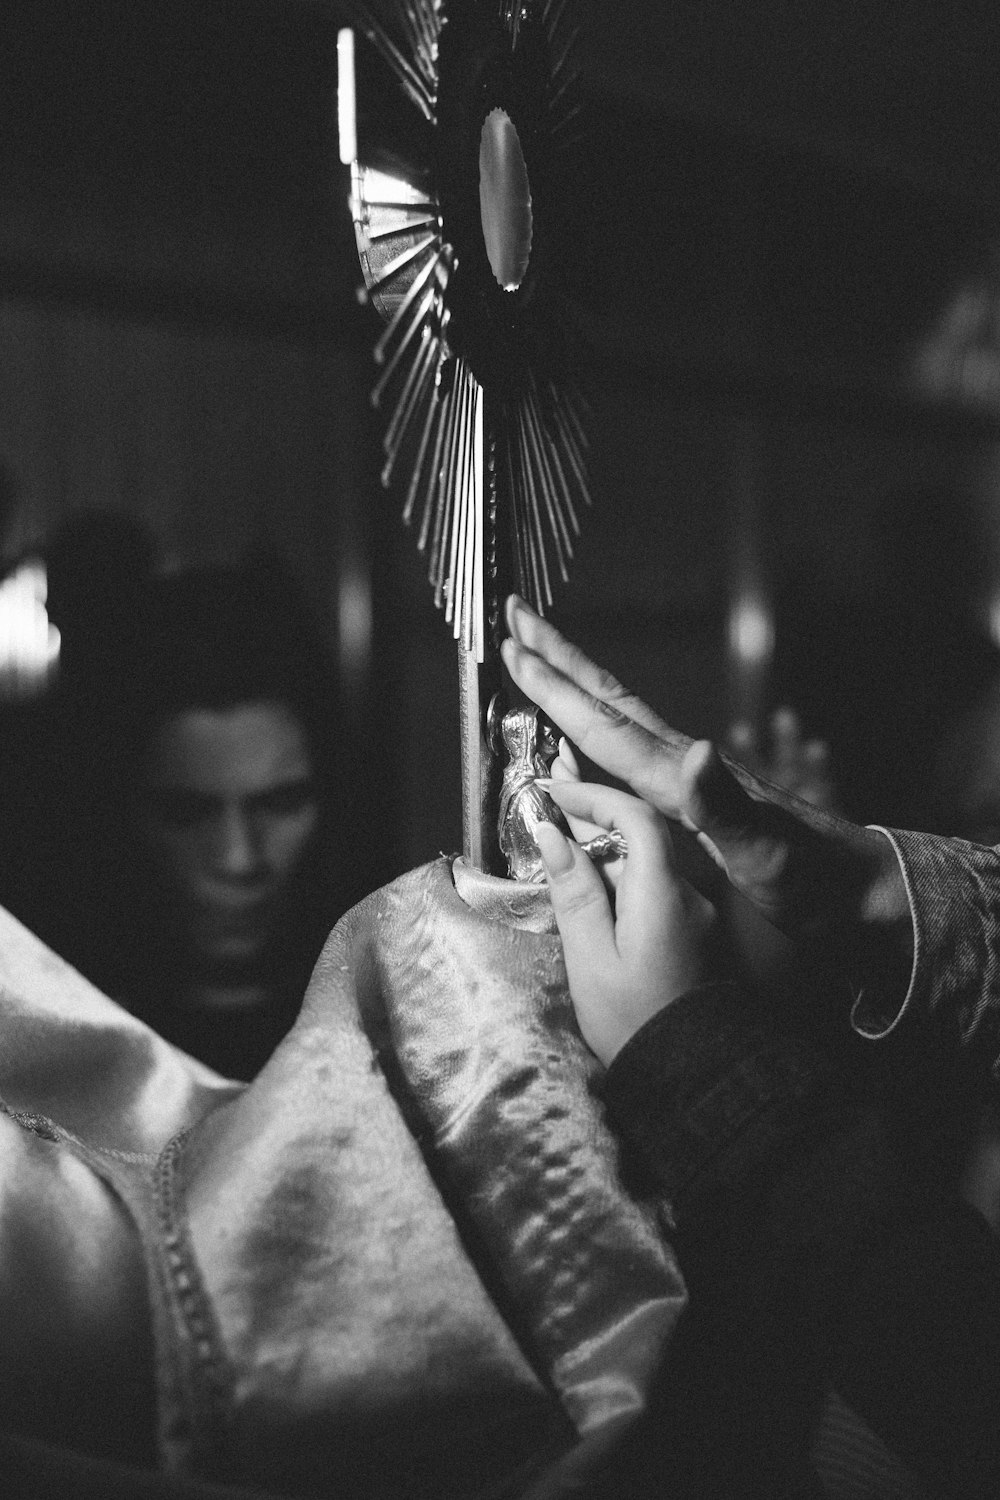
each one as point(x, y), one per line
point(568, 47)
point(408, 23)
point(441, 413)
point(390, 368)
point(403, 259)
point(553, 454)
point(431, 495)
point(570, 115)
point(412, 82)
point(445, 494)
point(418, 468)
point(528, 442)
point(573, 76)
point(556, 516)
point(415, 393)
point(534, 518)
point(575, 458)
point(402, 312)
point(402, 205)
point(522, 531)
point(478, 537)
point(467, 548)
point(553, 14)
point(394, 233)
point(459, 503)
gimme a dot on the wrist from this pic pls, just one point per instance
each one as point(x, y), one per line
point(885, 903)
point(884, 944)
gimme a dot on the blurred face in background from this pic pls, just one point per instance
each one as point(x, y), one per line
point(229, 807)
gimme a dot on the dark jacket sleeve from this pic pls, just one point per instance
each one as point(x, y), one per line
point(749, 1136)
point(771, 1181)
point(794, 1215)
point(706, 1099)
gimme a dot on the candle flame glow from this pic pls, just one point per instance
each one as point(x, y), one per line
point(29, 644)
point(751, 631)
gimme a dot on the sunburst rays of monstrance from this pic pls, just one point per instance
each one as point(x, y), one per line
point(457, 119)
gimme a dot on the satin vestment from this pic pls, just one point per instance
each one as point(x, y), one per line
point(400, 1263)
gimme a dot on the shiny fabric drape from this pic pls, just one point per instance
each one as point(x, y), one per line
point(399, 1264)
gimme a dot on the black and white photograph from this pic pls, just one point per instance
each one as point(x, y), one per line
point(499, 750)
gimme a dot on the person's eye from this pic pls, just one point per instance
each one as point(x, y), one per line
point(177, 808)
point(286, 801)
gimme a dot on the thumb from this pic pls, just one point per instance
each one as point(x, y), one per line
point(712, 802)
point(580, 903)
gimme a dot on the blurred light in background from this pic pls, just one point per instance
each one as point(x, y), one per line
point(354, 626)
point(958, 361)
point(993, 619)
point(751, 631)
point(29, 644)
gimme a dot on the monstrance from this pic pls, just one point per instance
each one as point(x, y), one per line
point(457, 121)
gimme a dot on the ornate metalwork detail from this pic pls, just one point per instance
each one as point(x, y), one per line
point(524, 804)
point(472, 365)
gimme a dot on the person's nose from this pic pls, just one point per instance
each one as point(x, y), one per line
point(236, 852)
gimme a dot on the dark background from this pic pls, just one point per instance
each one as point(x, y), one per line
point(786, 292)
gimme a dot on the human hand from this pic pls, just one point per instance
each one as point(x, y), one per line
point(566, 768)
point(623, 964)
point(805, 870)
point(783, 755)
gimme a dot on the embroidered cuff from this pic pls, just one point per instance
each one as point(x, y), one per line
point(954, 894)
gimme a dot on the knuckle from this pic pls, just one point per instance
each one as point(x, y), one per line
point(610, 711)
point(609, 687)
point(576, 900)
point(655, 769)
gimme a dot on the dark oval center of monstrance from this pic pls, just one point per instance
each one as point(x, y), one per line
point(504, 200)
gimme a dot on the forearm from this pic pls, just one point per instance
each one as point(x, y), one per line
point(707, 1101)
point(813, 1261)
point(774, 1181)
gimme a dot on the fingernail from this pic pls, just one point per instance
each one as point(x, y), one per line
point(556, 788)
point(555, 849)
point(515, 607)
point(567, 757)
